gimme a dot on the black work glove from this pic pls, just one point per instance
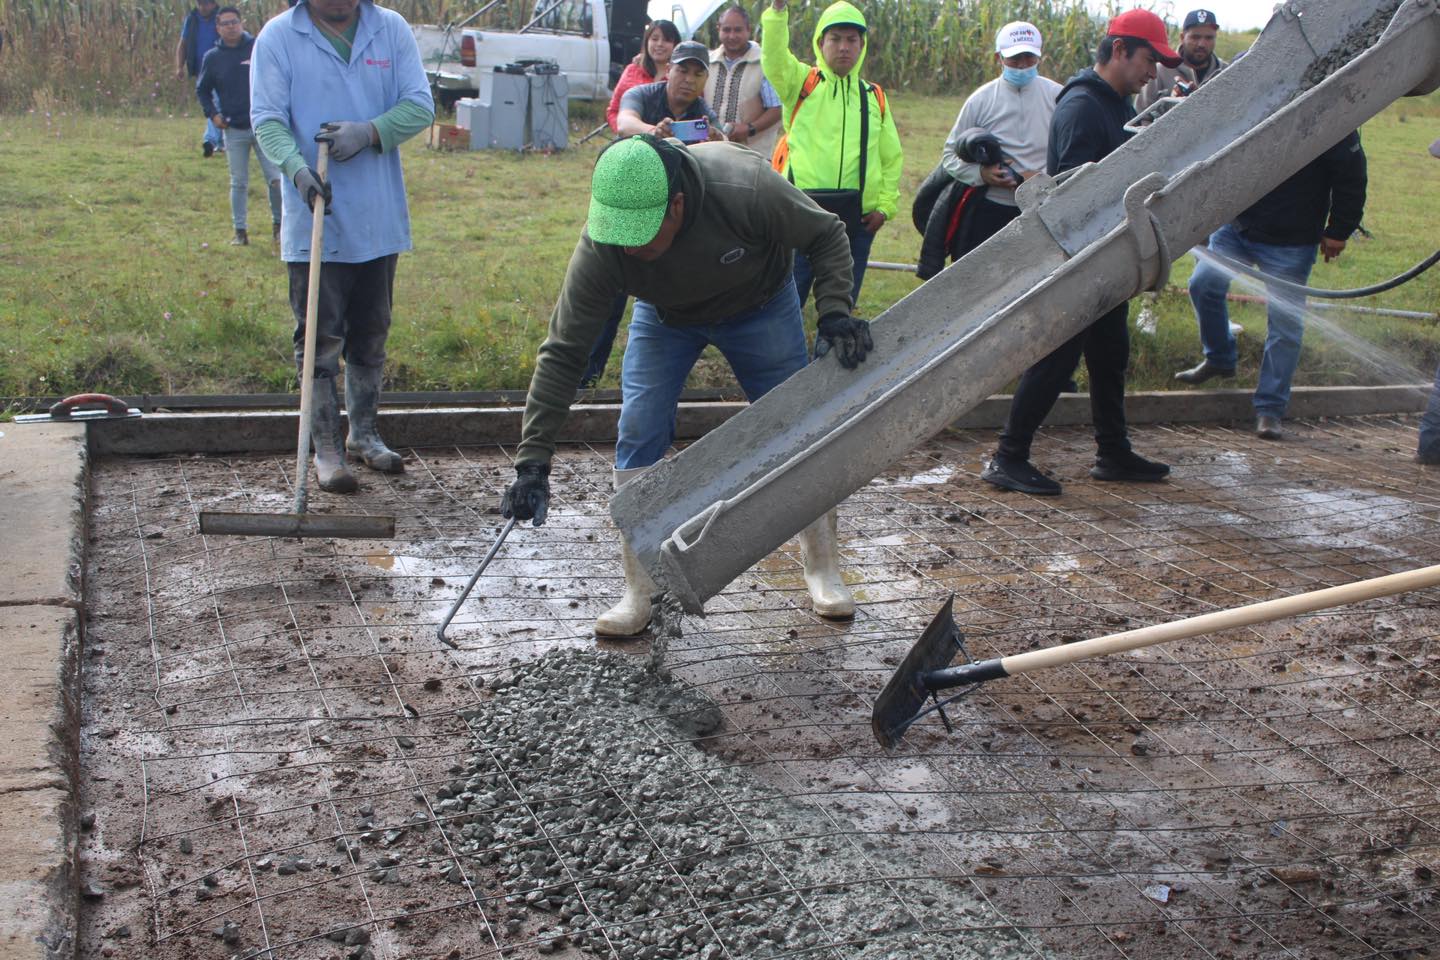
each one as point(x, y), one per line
point(308, 182)
point(849, 336)
point(347, 137)
point(529, 496)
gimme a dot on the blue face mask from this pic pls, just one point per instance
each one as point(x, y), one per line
point(1019, 78)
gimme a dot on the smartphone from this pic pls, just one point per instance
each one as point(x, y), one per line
point(690, 131)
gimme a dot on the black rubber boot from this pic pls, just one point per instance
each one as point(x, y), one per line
point(1128, 467)
point(362, 399)
point(325, 439)
point(1019, 475)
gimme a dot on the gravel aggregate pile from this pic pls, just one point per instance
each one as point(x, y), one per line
point(621, 837)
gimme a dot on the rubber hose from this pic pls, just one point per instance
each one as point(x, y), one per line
point(1355, 294)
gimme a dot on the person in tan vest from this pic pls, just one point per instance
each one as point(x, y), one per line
point(748, 107)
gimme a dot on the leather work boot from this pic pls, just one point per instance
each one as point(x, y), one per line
point(631, 615)
point(1020, 476)
point(362, 399)
point(325, 439)
point(241, 239)
point(1205, 371)
point(1268, 427)
point(820, 551)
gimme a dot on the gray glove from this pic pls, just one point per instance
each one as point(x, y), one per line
point(347, 137)
point(528, 498)
point(850, 336)
point(308, 182)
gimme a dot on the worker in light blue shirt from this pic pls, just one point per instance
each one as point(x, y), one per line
point(348, 73)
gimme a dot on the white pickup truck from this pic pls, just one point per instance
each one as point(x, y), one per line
point(591, 40)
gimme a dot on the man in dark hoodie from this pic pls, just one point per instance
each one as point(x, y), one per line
point(225, 76)
point(704, 238)
point(1315, 210)
point(1089, 123)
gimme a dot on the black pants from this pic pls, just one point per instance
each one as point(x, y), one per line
point(353, 312)
point(1106, 347)
point(982, 221)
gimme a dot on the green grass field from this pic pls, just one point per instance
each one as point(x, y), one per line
point(115, 271)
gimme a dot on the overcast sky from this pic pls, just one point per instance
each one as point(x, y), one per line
point(1232, 14)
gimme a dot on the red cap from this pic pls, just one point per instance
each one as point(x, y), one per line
point(1144, 25)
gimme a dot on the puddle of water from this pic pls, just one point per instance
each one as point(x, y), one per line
point(383, 559)
point(940, 474)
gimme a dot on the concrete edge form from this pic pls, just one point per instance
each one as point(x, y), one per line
point(274, 431)
point(43, 484)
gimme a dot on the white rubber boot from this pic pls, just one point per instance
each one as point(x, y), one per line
point(631, 615)
point(820, 549)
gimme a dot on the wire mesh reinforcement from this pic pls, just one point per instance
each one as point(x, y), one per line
point(279, 759)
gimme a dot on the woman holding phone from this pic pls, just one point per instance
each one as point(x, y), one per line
point(650, 64)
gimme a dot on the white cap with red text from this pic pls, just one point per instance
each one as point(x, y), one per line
point(1017, 37)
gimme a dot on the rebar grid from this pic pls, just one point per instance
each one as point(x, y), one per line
point(278, 750)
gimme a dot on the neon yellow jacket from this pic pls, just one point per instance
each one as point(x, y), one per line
point(825, 138)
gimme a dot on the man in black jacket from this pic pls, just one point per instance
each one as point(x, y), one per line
point(225, 77)
point(1089, 121)
point(1319, 206)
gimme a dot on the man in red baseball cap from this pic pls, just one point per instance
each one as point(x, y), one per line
point(1088, 123)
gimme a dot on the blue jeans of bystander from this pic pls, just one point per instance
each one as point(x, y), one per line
point(238, 156)
point(1285, 318)
point(860, 245)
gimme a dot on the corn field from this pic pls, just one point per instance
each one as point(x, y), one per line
point(120, 54)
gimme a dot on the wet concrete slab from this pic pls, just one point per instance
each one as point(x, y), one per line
point(273, 738)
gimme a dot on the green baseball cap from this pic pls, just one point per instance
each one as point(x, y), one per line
point(629, 194)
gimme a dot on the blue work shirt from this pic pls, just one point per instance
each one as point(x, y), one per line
point(200, 36)
point(296, 77)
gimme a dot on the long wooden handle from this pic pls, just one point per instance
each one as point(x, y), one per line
point(1223, 620)
point(307, 364)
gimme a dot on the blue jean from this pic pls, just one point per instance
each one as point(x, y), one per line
point(1429, 448)
point(859, 257)
point(1285, 317)
point(237, 155)
point(763, 345)
point(212, 132)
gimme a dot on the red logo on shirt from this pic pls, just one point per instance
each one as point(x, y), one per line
point(382, 64)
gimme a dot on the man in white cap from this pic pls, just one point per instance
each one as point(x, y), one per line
point(1015, 108)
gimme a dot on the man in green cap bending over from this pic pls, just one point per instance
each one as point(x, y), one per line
point(704, 238)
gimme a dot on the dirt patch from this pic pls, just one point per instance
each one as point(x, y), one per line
point(280, 759)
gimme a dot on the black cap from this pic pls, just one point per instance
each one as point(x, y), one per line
point(1199, 18)
point(691, 50)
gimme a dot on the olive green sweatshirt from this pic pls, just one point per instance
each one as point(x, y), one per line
point(743, 224)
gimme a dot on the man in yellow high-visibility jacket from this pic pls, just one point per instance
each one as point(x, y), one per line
point(840, 144)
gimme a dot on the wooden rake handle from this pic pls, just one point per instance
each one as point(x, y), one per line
point(1245, 616)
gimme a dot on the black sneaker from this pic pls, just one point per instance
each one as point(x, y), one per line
point(1019, 475)
point(208, 149)
point(1128, 467)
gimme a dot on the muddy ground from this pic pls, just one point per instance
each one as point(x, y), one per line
point(279, 759)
